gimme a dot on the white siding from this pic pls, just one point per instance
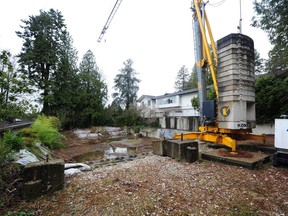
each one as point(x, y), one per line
point(174, 108)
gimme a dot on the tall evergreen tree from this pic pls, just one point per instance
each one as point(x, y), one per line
point(271, 16)
point(7, 78)
point(43, 37)
point(192, 82)
point(12, 86)
point(93, 89)
point(182, 79)
point(65, 96)
point(126, 84)
point(259, 63)
point(271, 98)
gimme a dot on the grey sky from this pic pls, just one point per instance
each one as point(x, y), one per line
point(155, 34)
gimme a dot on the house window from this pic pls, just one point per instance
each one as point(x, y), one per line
point(169, 100)
point(149, 103)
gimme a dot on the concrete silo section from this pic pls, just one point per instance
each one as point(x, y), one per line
point(236, 80)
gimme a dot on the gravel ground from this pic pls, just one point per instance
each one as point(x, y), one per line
point(157, 185)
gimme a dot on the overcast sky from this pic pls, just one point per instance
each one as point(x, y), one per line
point(156, 34)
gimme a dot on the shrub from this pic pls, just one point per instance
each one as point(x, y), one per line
point(4, 152)
point(13, 140)
point(137, 129)
point(55, 122)
point(26, 132)
point(28, 136)
point(46, 133)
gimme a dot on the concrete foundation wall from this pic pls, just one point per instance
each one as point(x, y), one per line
point(168, 133)
point(180, 150)
point(160, 132)
point(181, 123)
point(264, 129)
point(42, 178)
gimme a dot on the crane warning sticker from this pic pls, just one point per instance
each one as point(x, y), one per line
point(225, 110)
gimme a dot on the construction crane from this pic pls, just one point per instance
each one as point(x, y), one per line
point(110, 18)
point(212, 130)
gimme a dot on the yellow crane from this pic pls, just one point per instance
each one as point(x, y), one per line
point(109, 20)
point(207, 132)
point(203, 55)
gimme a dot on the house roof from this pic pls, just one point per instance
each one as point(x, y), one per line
point(194, 90)
point(145, 96)
point(178, 93)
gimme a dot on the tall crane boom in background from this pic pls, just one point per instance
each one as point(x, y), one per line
point(112, 14)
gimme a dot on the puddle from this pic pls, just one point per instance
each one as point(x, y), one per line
point(111, 153)
point(118, 144)
point(115, 152)
point(115, 138)
point(90, 156)
point(127, 142)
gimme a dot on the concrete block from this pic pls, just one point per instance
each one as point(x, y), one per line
point(236, 58)
point(158, 148)
point(50, 174)
point(236, 87)
point(228, 98)
point(237, 92)
point(164, 147)
point(179, 148)
point(238, 39)
point(231, 75)
point(236, 82)
point(33, 171)
point(235, 50)
point(32, 190)
point(233, 63)
point(168, 148)
point(245, 50)
point(55, 175)
point(192, 154)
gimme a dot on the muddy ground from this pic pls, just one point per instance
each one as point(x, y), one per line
point(155, 185)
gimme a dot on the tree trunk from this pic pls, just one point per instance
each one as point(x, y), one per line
point(45, 73)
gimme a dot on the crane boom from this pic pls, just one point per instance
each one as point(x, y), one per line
point(112, 14)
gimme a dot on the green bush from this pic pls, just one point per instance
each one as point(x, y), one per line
point(137, 129)
point(47, 133)
point(26, 132)
point(28, 136)
point(13, 140)
point(4, 152)
point(55, 122)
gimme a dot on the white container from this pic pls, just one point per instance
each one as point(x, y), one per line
point(281, 134)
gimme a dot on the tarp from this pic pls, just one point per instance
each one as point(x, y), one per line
point(24, 157)
point(73, 168)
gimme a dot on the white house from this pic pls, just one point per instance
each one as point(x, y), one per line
point(173, 110)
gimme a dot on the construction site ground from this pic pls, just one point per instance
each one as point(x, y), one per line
point(156, 185)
